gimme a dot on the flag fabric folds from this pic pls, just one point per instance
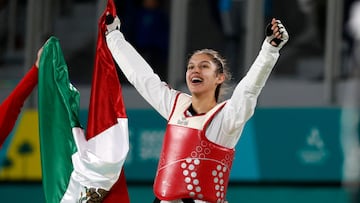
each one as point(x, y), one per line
point(107, 120)
point(58, 110)
point(74, 163)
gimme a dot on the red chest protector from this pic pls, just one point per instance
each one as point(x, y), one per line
point(190, 165)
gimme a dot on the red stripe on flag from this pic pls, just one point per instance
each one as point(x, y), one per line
point(106, 102)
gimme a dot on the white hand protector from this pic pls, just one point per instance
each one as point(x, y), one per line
point(112, 23)
point(272, 35)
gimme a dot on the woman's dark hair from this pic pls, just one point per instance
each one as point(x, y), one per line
point(222, 68)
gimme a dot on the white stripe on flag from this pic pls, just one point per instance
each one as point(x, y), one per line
point(98, 161)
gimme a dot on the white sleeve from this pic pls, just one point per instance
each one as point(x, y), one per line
point(241, 106)
point(139, 73)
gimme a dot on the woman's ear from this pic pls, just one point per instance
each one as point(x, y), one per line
point(220, 78)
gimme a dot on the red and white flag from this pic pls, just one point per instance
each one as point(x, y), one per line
point(104, 148)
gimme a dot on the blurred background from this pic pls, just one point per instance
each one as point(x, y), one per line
point(301, 145)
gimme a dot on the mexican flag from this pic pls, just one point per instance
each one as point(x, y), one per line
point(79, 165)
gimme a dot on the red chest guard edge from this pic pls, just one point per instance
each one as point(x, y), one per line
point(190, 165)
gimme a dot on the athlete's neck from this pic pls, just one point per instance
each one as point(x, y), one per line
point(202, 106)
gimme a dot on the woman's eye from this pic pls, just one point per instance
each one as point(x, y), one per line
point(190, 67)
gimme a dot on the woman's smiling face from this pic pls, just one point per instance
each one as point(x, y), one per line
point(202, 76)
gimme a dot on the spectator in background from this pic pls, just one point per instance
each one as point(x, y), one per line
point(315, 18)
point(229, 17)
point(151, 34)
point(310, 40)
point(232, 25)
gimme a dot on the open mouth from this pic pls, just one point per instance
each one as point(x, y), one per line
point(196, 80)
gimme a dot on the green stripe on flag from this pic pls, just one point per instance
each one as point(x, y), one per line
point(58, 114)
